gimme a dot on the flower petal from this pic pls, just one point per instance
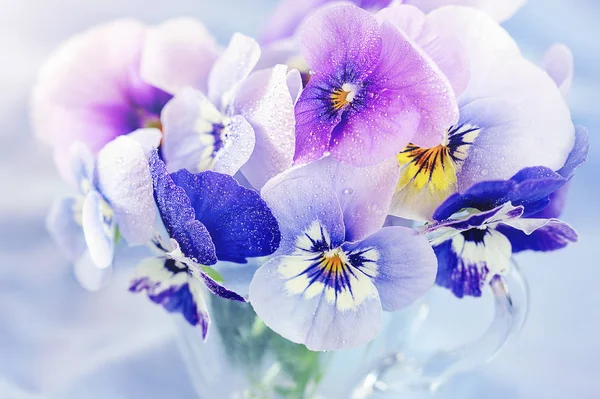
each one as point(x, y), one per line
point(83, 167)
point(124, 179)
point(404, 268)
point(238, 220)
point(499, 10)
point(559, 63)
point(444, 49)
point(471, 259)
point(336, 35)
point(99, 229)
point(234, 65)
point(297, 201)
point(178, 216)
point(168, 284)
point(148, 138)
point(238, 145)
point(578, 155)
point(265, 101)
point(64, 225)
point(287, 16)
point(89, 275)
point(313, 314)
point(178, 53)
point(538, 234)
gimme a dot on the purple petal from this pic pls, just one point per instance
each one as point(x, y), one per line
point(265, 101)
point(167, 283)
point(341, 34)
point(64, 225)
point(470, 260)
point(99, 229)
point(239, 222)
point(234, 65)
point(311, 314)
point(552, 235)
point(178, 216)
point(219, 290)
point(364, 194)
point(286, 18)
point(559, 63)
point(178, 53)
point(90, 90)
point(124, 179)
point(404, 267)
point(444, 48)
point(298, 201)
point(419, 85)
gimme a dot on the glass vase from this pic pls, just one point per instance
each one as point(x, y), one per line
point(418, 350)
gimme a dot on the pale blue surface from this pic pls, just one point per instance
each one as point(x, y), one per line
point(56, 341)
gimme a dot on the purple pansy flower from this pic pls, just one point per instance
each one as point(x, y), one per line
point(336, 266)
point(372, 90)
point(289, 13)
point(478, 230)
point(246, 120)
point(114, 79)
point(512, 115)
point(110, 197)
point(207, 217)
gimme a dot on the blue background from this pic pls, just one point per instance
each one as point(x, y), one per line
point(57, 341)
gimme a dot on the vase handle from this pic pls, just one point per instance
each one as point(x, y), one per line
point(397, 373)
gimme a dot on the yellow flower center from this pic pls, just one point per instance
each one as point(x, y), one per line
point(344, 96)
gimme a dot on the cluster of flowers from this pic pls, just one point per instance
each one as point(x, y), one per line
point(307, 156)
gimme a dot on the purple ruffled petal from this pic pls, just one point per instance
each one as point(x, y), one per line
point(401, 263)
point(552, 235)
point(178, 215)
point(239, 222)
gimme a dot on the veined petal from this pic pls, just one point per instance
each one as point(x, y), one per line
point(178, 53)
point(313, 313)
point(124, 179)
point(298, 201)
point(99, 229)
point(265, 101)
point(234, 65)
point(168, 283)
point(179, 217)
point(471, 259)
point(400, 262)
point(239, 222)
point(238, 144)
point(538, 234)
point(64, 225)
point(341, 34)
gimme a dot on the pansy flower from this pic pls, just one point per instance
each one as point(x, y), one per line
point(115, 78)
point(246, 120)
point(289, 13)
point(337, 269)
point(478, 230)
point(207, 217)
point(113, 201)
point(512, 115)
point(371, 91)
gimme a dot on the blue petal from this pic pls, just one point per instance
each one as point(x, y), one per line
point(219, 290)
point(64, 228)
point(471, 259)
point(168, 283)
point(312, 314)
point(99, 229)
point(401, 262)
point(530, 188)
point(178, 215)
point(550, 237)
point(239, 221)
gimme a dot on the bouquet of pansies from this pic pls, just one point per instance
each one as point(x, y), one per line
point(361, 153)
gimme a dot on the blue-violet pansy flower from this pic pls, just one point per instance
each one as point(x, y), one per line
point(337, 269)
